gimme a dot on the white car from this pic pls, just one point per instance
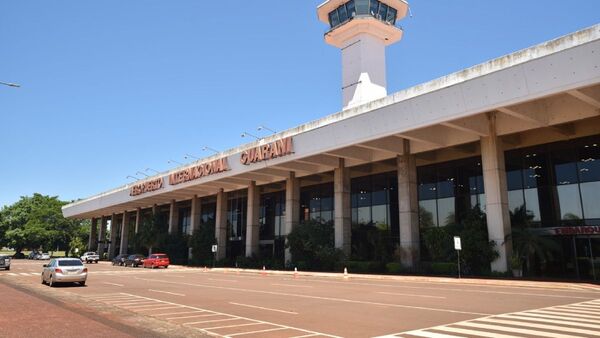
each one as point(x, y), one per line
point(64, 270)
point(90, 257)
point(5, 262)
point(44, 256)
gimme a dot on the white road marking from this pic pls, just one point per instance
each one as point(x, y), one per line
point(223, 280)
point(410, 295)
point(211, 321)
point(175, 305)
point(159, 308)
point(545, 295)
point(264, 308)
point(169, 293)
point(23, 273)
point(178, 313)
point(516, 330)
point(253, 332)
point(426, 335)
point(293, 286)
point(552, 321)
point(343, 300)
point(35, 273)
point(538, 326)
point(195, 316)
point(544, 322)
point(115, 284)
point(229, 326)
point(12, 274)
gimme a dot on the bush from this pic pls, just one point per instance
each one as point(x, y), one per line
point(255, 262)
point(311, 246)
point(201, 243)
point(394, 268)
point(443, 268)
point(364, 266)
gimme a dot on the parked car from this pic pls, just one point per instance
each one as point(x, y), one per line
point(33, 254)
point(64, 270)
point(5, 262)
point(18, 255)
point(90, 257)
point(43, 256)
point(156, 260)
point(134, 260)
point(120, 260)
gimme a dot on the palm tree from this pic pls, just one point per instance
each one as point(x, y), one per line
point(526, 241)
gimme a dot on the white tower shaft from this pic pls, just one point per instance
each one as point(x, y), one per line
point(363, 70)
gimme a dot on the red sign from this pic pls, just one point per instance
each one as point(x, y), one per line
point(198, 171)
point(148, 186)
point(268, 151)
point(584, 230)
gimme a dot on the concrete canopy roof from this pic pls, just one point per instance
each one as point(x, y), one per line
point(544, 86)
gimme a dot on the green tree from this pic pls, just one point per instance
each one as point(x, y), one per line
point(37, 222)
point(201, 243)
point(526, 242)
point(311, 244)
point(153, 232)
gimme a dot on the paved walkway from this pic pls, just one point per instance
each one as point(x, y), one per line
point(23, 315)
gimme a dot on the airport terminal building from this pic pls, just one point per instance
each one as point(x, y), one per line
point(520, 132)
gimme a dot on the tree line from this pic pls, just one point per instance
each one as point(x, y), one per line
point(36, 223)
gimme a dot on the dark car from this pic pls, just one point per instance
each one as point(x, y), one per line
point(134, 260)
point(120, 259)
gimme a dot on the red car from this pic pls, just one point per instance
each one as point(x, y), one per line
point(156, 260)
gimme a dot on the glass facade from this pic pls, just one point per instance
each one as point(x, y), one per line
point(272, 225)
point(185, 220)
point(558, 184)
point(447, 190)
point(375, 217)
point(353, 8)
point(316, 203)
point(237, 206)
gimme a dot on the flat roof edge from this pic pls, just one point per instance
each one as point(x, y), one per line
point(538, 51)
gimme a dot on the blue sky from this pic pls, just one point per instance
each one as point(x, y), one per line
point(113, 87)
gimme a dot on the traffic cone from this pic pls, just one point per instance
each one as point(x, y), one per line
point(264, 271)
point(345, 273)
point(205, 269)
point(295, 272)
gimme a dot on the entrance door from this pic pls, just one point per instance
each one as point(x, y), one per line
point(588, 257)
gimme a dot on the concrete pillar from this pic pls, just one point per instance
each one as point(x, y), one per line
point(124, 234)
point(92, 245)
point(292, 207)
point(102, 237)
point(195, 215)
point(114, 228)
point(408, 208)
point(252, 220)
point(138, 219)
point(221, 224)
point(173, 218)
point(341, 189)
point(496, 195)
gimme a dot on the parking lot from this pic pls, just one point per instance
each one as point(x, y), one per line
point(232, 302)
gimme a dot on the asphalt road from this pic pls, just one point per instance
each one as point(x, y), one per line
point(256, 304)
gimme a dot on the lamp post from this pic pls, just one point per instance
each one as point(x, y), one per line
point(10, 84)
point(142, 173)
point(173, 161)
point(188, 156)
point(133, 177)
point(244, 134)
point(261, 127)
point(150, 169)
point(205, 148)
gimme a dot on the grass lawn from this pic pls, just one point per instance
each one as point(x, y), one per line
point(26, 253)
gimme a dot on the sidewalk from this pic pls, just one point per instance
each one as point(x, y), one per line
point(23, 315)
point(576, 286)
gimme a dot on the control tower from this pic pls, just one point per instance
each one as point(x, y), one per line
point(362, 29)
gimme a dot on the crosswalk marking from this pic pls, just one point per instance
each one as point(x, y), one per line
point(561, 321)
point(204, 320)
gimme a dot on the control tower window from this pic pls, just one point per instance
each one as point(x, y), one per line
point(354, 8)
